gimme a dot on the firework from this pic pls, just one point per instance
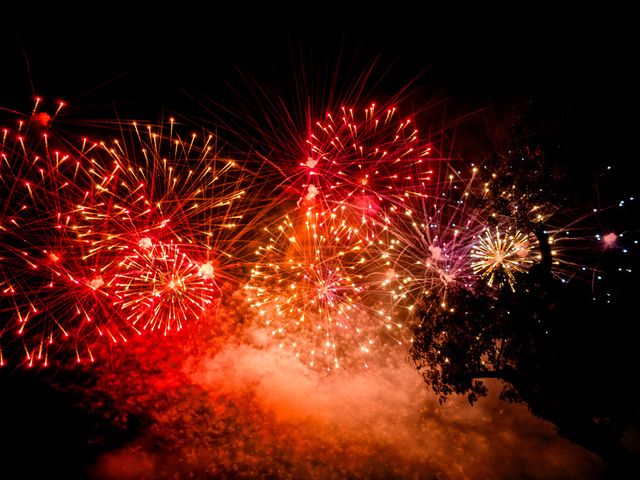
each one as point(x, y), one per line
point(161, 288)
point(498, 256)
point(51, 296)
point(312, 287)
point(363, 160)
point(168, 211)
point(580, 246)
point(79, 224)
point(428, 239)
point(153, 184)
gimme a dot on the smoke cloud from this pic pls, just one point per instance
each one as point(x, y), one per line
point(250, 409)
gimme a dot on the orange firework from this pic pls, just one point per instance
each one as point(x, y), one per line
point(313, 286)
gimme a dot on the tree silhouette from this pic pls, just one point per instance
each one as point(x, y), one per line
point(564, 348)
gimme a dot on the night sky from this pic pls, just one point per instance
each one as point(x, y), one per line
point(468, 78)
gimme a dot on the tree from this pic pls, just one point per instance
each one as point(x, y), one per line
point(564, 348)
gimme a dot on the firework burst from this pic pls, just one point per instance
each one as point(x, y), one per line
point(363, 161)
point(313, 287)
point(78, 223)
point(498, 256)
point(152, 184)
point(429, 239)
point(161, 288)
point(50, 294)
point(166, 210)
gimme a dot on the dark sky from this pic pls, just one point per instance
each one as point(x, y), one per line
point(578, 64)
point(478, 57)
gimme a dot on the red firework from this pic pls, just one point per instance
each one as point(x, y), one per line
point(77, 224)
point(158, 287)
point(363, 161)
point(51, 295)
